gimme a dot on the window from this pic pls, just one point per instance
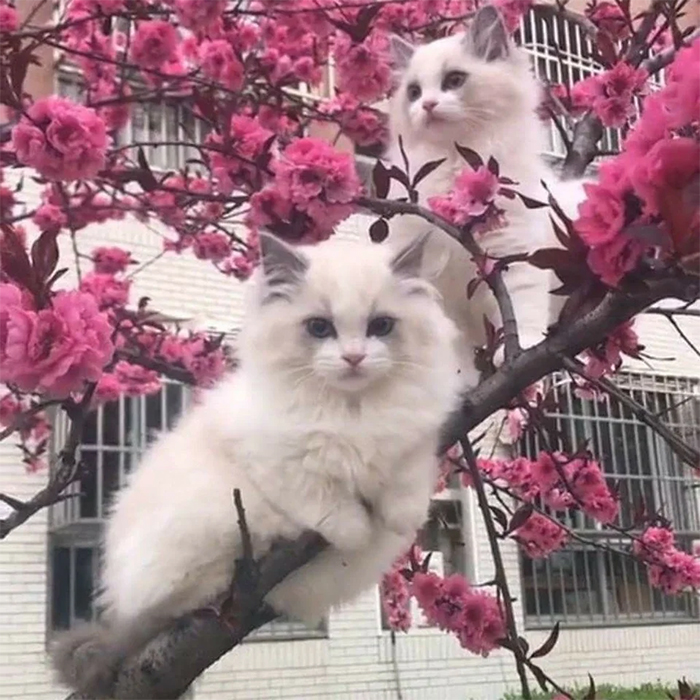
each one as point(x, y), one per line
point(442, 536)
point(167, 124)
point(586, 585)
point(114, 437)
point(561, 53)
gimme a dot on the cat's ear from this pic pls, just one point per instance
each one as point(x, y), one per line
point(282, 266)
point(401, 52)
point(408, 262)
point(487, 36)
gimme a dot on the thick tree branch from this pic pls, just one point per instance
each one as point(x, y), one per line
point(531, 365)
point(658, 61)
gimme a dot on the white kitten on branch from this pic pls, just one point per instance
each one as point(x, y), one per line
point(331, 423)
point(476, 89)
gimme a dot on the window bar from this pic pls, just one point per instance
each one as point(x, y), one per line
point(589, 585)
point(99, 461)
point(535, 581)
point(574, 574)
point(123, 445)
point(550, 587)
point(71, 586)
point(613, 586)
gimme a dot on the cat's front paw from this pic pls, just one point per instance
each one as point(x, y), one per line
point(402, 519)
point(347, 531)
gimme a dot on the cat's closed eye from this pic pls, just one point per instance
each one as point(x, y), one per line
point(454, 80)
point(413, 92)
point(380, 326)
point(319, 327)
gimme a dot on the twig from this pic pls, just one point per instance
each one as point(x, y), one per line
point(500, 575)
point(64, 475)
point(686, 452)
point(386, 207)
point(669, 314)
point(21, 420)
point(655, 63)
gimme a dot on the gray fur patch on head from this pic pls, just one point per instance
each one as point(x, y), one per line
point(282, 267)
point(487, 37)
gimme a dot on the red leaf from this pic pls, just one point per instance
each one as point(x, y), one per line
point(45, 255)
point(14, 261)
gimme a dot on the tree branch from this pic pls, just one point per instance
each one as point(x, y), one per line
point(500, 572)
point(65, 474)
point(388, 208)
point(658, 61)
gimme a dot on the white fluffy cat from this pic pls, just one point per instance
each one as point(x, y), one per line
point(476, 89)
point(330, 423)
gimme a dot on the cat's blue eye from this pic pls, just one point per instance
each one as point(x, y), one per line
point(454, 80)
point(413, 92)
point(320, 327)
point(380, 326)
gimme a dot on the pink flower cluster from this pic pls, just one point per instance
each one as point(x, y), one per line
point(539, 536)
point(107, 289)
point(62, 140)
point(364, 126)
point(561, 482)
point(154, 44)
point(660, 166)
point(410, 15)
point(111, 260)
point(610, 18)
point(234, 156)
point(396, 601)
point(313, 178)
point(607, 357)
point(9, 20)
point(450, 603)
point(669, 568)
point(610, 94)
point(52, 350)
point(363, 69)
point(220, 64)
point(126, 379)
point(472, 196)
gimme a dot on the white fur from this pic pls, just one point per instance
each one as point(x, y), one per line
point(494, 114)
point(304, 441)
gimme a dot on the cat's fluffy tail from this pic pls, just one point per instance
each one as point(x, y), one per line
point(88, 657)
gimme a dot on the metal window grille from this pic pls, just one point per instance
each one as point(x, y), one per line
point(561, 53)
point(163, 123)
point(114, 438)
point(590, 586)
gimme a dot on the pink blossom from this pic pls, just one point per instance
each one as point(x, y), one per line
point(474, 191)
point(109, 388)
point(62, 140)
point(539, 536)
point(136, 380)
point(107, 290)
point(364, 126)
point(53, 350)
point(9, 20)
point(199, 14)
point(681, 96)
point(220, 63)
point(611, 19)
point(214, 246)
point(234, 155)
point(669, 568)
point(49, 217)
point(363, 69)
point(396, 600)
point(111, 260)
point(206, 364)
point(153, 44)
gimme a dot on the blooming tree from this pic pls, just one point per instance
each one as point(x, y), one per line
point(235, 68)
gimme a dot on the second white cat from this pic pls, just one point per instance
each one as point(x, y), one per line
point(476, 89)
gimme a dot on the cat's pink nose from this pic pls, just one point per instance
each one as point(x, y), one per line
point(429, 105)
point(354, 358)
